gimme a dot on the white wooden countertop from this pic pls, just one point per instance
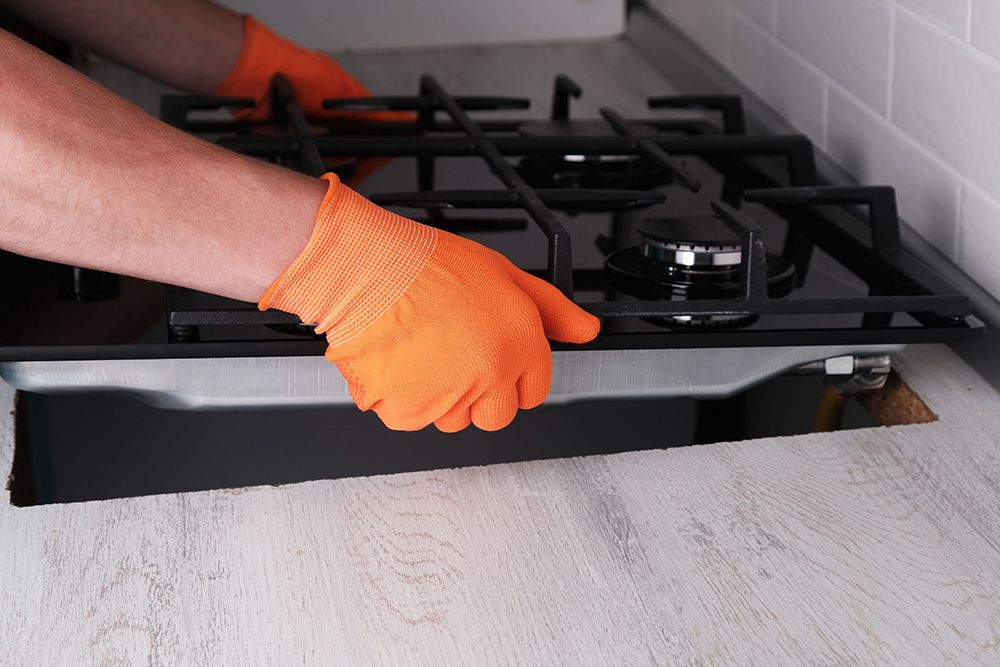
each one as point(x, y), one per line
point(875, 545)
point(868, 546)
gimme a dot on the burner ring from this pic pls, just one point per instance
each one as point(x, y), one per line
point(694, 256)
point(629, 271)
point(700, 241)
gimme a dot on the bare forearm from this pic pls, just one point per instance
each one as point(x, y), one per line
point(190, 44)
point(88, 179)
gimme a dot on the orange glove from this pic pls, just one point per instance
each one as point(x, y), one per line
point(426, 326)
point(314, 77)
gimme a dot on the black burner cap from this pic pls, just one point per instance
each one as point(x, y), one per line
point(577, 128)
point(628, 271)
point(698, 231)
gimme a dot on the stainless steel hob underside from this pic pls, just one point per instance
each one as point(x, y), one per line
point(303, 381)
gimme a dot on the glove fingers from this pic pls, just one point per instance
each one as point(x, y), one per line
point(496, 409)
point(396, 419)
point(534, 384)
point(364, 397)
point(455, 420)
point(562, 319)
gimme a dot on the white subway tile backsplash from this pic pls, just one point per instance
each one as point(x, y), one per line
point(986, 26)
point(946, 95)
point(979, 252)
point(867, 145)
point(951, 15)
point(899, 92)
point(781, 78)
point(847, 39)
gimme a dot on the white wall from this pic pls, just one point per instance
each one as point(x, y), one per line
point(379, 24)
point(903, 92)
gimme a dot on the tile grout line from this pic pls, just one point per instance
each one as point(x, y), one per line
point(737, 13)
point(957, 240)
point(729, 36)
point(734, 14)
point(920, 147)
point(968, 21)
point(776, 42)
point(818, 136)
point(967, 49)
point(973, 50)
point(892, 62)
point(826, 114)
point(983, 193)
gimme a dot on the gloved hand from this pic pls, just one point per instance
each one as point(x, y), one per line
point(314, 77)
point(424, 325)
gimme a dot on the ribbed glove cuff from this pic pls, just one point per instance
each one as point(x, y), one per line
point(359, 261)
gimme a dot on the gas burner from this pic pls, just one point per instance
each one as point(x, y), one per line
point(693, 242)
point(587, 171)
point(692, 258)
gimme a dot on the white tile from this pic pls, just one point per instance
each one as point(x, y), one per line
point(705, 21)
point(951, 15)
point(761, 11)
point(986, 26)
point(868, 147)
point(979, 253)
point(778, 76)
point(946, 95)
point(848, 39)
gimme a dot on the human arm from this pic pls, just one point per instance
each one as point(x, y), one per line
point(188, 44)
point(202, 47)
point(426, 327)
point(89, 179)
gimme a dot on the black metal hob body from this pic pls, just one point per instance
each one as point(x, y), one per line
point(557, 195)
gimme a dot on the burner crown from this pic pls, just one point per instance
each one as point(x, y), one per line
point(699, 241)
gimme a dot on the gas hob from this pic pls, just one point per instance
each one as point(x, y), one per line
point(715, 258)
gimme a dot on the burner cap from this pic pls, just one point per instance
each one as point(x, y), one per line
point(631, 271)
point(587, 171)
point(576, 128)
point(701, 241)
point(582, 128)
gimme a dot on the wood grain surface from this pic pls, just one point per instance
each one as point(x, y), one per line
point(861, 547)
point(877, 546)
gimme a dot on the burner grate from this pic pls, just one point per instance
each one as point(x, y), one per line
point(778, 172)
point(899, 284)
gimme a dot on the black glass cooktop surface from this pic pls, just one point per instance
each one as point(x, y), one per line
point(678, 230)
